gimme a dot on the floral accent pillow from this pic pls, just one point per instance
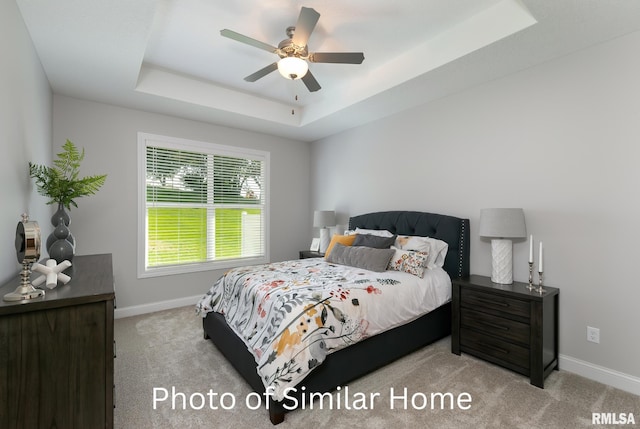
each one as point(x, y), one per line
point(409, 261)
point(437, 249)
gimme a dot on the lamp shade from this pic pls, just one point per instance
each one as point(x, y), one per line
point(292, 67)
point(502, 223)
point(324, 218)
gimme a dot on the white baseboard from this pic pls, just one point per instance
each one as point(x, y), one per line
point(607, 376)
point(136, 310)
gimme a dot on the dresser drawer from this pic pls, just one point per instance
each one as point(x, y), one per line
point(494, 304)
point(487, 346)
point(496, 326)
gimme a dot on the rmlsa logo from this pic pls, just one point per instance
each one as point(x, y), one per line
point(612, 419)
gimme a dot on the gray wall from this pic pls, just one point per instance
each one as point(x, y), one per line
point(25, 133)
point(562, 141)
point(107, 222)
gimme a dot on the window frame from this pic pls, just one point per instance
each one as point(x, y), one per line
point(146, 139)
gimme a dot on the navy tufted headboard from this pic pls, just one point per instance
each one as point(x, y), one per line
point(453, 230)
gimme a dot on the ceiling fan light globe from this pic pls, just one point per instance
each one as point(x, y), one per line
point(293, 68)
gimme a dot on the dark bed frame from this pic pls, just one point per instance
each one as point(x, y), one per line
point(379, 350)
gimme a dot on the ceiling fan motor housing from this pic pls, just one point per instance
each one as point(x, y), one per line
point(287, 48)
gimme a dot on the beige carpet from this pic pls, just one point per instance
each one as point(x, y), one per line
point(166, 350)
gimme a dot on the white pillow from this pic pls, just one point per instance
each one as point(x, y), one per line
point(377, 232)
point(437, 249)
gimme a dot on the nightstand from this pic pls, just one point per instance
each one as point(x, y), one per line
point(507, 325)
point(304, 254)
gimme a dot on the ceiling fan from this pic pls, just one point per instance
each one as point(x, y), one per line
point(293, 52)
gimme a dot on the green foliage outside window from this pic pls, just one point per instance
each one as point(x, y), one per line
point(192, 247)
point(179, 234)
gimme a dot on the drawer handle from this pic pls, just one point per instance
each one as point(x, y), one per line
point(493, 325)
point(496, 348)
point(488, 301)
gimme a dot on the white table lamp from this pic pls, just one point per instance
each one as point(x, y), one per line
point(322, 219)
point(501, 225)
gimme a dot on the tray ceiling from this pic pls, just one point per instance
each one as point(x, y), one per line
point(167, 56)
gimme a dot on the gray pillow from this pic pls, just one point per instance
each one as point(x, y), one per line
point(374, 241)
point(368, 258)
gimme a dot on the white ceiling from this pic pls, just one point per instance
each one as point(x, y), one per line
point(167, 56)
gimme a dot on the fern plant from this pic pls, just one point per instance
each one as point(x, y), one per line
point(61, 183)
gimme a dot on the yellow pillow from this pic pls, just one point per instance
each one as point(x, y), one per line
point(345, 240)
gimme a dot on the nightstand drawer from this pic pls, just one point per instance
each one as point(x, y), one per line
point(496, 326)
point(492, 348)
point(494, 304)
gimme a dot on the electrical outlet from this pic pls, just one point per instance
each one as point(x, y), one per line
point(593, 335)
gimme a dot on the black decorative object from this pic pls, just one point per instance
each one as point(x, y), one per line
point(60, 244)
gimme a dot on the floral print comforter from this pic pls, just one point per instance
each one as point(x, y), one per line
point(292, 314)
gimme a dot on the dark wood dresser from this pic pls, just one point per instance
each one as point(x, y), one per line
point(56, 352)
point(507, 325)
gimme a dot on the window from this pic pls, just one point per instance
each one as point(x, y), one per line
point(201, 206)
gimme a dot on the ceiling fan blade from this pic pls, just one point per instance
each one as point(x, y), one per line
point(337, 57)
point(248, 40)
point(310, 82)
point(262, 72)
point(306, 23)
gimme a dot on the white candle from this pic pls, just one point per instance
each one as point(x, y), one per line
point(531, 248)
point(540, 269)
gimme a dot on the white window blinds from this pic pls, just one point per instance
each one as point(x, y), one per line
point(204, 205)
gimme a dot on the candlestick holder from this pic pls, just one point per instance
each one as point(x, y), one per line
point(531, 287)
point(540, 289)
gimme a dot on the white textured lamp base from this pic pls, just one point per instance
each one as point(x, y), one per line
point(325, 239)
point(502, 261)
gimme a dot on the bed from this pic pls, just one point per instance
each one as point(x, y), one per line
point(370, 351)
